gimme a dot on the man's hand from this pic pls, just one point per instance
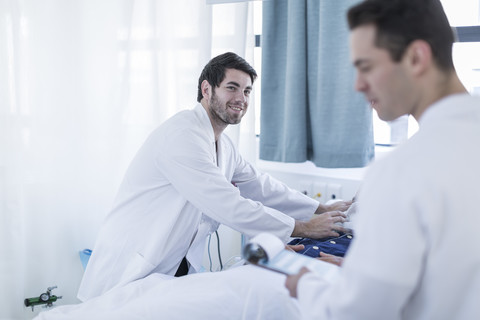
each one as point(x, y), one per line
point(295, 247)
point(320, 226)
point(331, 258)
point(292, 281)
point(336, 206)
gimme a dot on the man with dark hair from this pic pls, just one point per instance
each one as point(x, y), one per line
point(188, 178)
point(399, 23)
point(415, 254)
point(214, 72)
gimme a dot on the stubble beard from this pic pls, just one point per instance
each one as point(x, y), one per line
point(219, 112)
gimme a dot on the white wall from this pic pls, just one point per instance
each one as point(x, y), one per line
point(306, 177)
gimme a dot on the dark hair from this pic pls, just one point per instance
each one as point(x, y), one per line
point(214, 71)
point(400, 22)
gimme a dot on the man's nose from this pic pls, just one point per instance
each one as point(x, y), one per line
point(241, 97)
point(360, 84)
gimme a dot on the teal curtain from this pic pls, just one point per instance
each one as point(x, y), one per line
point(309, 108)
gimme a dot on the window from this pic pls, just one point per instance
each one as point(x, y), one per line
point(463, 14)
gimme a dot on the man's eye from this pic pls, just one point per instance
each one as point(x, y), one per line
point(247, 92)
point(364, 69)
point(231, 88)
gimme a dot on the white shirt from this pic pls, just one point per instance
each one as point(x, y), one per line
point(176, 191)
point(416, 253)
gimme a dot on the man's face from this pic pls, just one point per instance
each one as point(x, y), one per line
point(385, 83)
point(228, 103)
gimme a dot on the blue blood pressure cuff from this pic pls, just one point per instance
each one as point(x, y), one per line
point(333, 245)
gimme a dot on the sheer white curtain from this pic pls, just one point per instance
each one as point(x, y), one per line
point(82, 83)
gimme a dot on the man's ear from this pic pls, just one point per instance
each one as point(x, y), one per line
point(206, 89)
point(419, 56)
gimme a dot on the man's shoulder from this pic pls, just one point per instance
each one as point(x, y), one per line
point(185, 121)
point(186, 115)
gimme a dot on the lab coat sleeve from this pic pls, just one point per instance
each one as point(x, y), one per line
point(271, 192)
point(189, 166)
point(384, 263)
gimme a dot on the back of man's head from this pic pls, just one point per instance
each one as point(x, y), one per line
point(400, 22)
point(214, 71)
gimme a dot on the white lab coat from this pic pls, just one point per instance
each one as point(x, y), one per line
point(415, 254)
point(241, 293)
point(176, 191)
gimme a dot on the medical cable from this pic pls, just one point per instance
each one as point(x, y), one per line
point(209, 255)
point(218, 248)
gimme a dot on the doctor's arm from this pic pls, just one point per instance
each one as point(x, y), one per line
point(275, 194)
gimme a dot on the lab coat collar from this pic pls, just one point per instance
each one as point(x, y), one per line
point(447, 107)
point(202, 115)
point(217, 146)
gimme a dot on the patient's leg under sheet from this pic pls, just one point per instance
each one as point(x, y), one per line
point(246, 292)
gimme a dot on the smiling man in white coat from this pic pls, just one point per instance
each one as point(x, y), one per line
point(188, 178)
point(415, 253)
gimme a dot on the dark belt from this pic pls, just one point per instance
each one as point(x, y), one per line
point(182, 268)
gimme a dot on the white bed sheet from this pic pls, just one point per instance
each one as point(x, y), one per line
point(245, 292)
